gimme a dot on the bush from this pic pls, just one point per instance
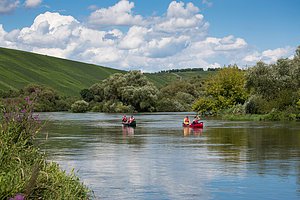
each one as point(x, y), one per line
point(298, 104)
point(275, 115)
point(80, 106)
point(116, 107)
point(238, 109)
point(24, 171)
point(205, 106)
point(257, 105)
point(169, 105)
point(86, 95)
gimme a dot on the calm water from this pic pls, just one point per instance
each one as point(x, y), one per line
point(161, 160)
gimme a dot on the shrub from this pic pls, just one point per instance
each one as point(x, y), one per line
point(116, 107)
point(169, 105)
point(257, 105)
point(298, 104)
point(238, 109)
point(24, 171)
point(87, 95)
point(80, 106)
point(275, 115)
point(205, 105)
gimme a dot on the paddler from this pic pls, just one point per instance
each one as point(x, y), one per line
point(186, 120)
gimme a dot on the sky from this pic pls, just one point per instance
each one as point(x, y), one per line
point(154, 35)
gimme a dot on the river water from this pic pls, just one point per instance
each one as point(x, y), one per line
point(159, 159)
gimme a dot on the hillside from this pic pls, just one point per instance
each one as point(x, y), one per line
point(19, 68)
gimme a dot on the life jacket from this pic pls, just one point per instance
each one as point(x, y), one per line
point(124, 119)
point(186, 121)
point(131, 119)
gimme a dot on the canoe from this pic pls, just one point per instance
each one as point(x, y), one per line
point(198, 125)
point(132, 124)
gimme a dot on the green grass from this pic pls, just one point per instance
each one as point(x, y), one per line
point(19, 68)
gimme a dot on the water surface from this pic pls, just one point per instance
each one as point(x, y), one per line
point(159, 159)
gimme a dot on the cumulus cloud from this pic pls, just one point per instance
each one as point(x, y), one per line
point(32, 3)
point(7, 6)
point(182, 18)
point(119, 14)
point(134, 38)
point(177, 39)
point(269, 56)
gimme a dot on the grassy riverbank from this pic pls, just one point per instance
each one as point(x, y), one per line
point(24, 171)
point(273, 116)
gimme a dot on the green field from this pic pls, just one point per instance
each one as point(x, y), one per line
point(20, 68)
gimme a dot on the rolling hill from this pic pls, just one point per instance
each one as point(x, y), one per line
point(20, 68)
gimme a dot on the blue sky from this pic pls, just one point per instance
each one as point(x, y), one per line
point(153, 35)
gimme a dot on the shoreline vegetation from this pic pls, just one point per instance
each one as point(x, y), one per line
point(24, 171)
point(262, 92)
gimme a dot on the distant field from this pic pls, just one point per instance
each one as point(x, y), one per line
point(20, 68)
point(162, 79)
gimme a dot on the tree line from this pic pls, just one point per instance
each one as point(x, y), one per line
point(186, 70)
point(268, 90)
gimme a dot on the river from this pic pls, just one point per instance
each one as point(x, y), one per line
point(159, 159)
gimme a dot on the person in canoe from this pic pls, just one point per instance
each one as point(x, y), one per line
point(186, 121)
point(124, 119)
point(195, 120)
point(131, 119)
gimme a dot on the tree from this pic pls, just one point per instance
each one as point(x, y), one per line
point(86, 95)
point(276, 83)
point(130, 89)
point(80, 106)
point(223, 90)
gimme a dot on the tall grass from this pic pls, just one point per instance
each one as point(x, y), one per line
point(24, 171)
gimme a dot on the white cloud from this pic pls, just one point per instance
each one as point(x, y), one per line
point(177, 9)
point(177, 39)
point(134, 38)
point(165, 47)
point(182, 18)
point(32, 3)
point(7, 6)
point(119, 14)
point(269, 56)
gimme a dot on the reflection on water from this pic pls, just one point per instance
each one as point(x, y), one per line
point(195, 131)
point(159, 159)
point(127, 131)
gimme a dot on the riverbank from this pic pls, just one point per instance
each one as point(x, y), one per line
point(266, 117)
point(24, 171)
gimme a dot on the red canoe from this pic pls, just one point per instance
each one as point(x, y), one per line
point(198, 125)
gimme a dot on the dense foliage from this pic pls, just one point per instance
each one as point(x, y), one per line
point(45, 98)
point(270, 90)
point(222, 91)
point(180, 95)
point(122, 93)
point(80, 106)
point(24, 171)
point(133, 92)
